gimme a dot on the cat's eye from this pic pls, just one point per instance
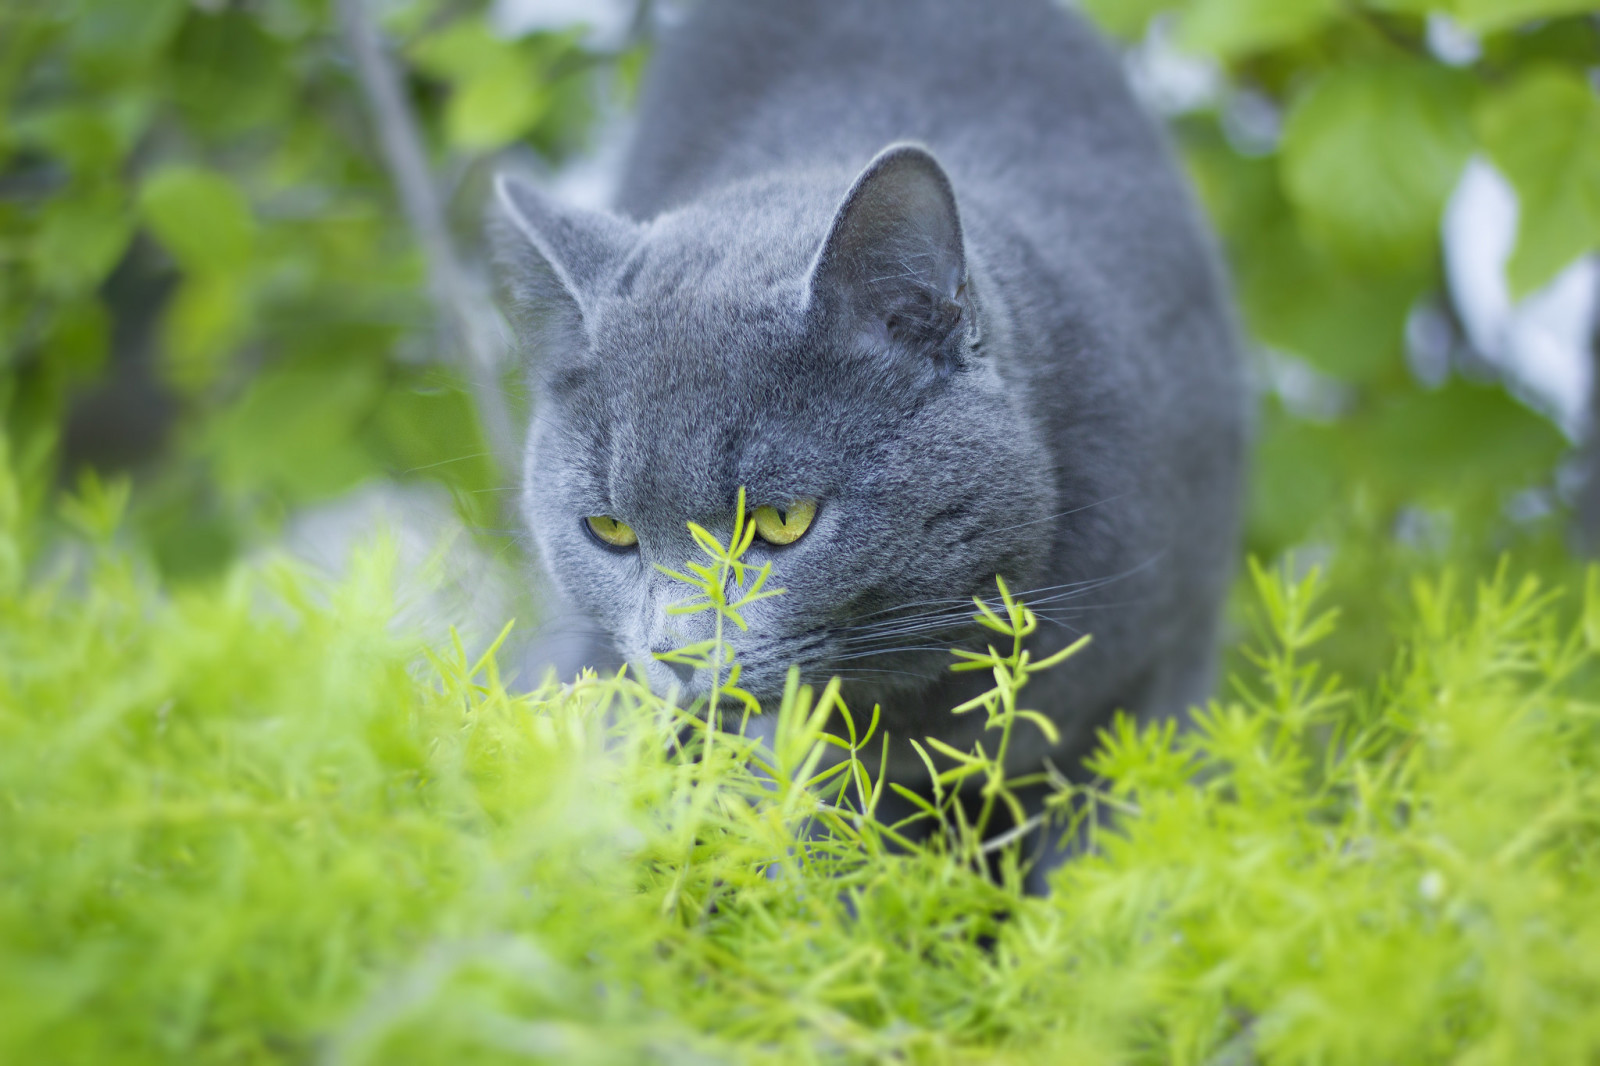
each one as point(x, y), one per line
point(785, 525)
point(608, 530)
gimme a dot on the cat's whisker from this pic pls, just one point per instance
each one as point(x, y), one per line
point(952, 624)
point(963, 607)
point(889, 636)
point(1030, 596)
point(996, 529)
point(893, 651)
point(893, 625)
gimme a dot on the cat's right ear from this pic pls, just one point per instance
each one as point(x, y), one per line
point(553, 258)
point(893, 265)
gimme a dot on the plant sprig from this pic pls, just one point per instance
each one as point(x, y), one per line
point(713, 582)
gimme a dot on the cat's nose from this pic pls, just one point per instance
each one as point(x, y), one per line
point(684, 672)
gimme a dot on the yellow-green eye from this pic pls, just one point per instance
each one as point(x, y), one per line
point(785, 525)
point(610, 531)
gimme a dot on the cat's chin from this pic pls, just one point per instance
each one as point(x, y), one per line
point(766, 683)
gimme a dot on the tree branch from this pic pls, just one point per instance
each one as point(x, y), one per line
point(464, 305)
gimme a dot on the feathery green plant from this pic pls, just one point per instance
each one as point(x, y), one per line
point(712, 582)
point(246, 822)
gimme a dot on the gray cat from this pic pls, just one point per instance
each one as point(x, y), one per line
point(923, 278)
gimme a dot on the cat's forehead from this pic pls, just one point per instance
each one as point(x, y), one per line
point(744, 251)
point(707, 303)
point(701, 400)
point(718, 390)
point(707, 356)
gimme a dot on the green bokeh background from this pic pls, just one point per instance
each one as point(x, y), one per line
point(240, 822)
point(207, 283)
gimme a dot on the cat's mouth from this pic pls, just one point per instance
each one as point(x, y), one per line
point(872, 663)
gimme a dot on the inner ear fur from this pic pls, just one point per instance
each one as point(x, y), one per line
point(554, 258)
point(894, 260)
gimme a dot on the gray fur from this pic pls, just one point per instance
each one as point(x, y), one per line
point(927, 262)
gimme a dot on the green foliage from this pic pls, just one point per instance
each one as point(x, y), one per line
point(1370, 155)
point(249, 819)
point(1325, 160)
point(1544, 133)
point(712, 584)
point(201, 185)
point(1332, 232)
point(1238, 27)
point(246, 823)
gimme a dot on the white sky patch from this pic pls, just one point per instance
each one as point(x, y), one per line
point(1168, 80)
point(1541, 343)
point(607, 21)
point(1452, 43)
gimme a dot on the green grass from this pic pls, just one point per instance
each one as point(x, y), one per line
point(251, 822)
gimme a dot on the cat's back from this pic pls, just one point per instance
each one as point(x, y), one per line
point(1000, 89)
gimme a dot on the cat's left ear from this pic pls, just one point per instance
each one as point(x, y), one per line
point(555, 258)
point(893, 264)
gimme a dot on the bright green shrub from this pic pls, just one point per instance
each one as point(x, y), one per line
point(249, 823)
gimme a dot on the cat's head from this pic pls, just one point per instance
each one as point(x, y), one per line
point(829, 356)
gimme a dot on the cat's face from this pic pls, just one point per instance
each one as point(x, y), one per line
point(697, 361)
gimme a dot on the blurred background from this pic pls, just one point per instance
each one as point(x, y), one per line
point(241, 267)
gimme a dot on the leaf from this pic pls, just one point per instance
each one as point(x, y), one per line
point(950, 752)
point(1455, 443)
point(1125, 18)
point(1483, 17)
point(1228, 28)
point(90, 139)
point(297, 430)
point(115, 33)
point(201, 217)
point(913, 798)
point(1346, 322)
point(1486, 16)
point(1297, 480)
point(1064, 654)
point(80, 238)
point(206, 319)
point(228, 76)
point(432, 427)
point(498, 92)
point(80, 339)
point(1046, 726)
point(97, 508)
point(495, 108)
point(1543, 133)
point(1371, 153)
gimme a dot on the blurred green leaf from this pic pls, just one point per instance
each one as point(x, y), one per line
point(1460, 442)
point(228, 76)
point(1293, 484)
point(206, 319)
point(1235, 27)
point(119, 34)
point(498, 92)
point(495, 107)
point(1371, 153)
point(1347, 323)
point(1466, 448)
point(91, 141)
point(1486, 16)
point(1543, 132)
point(80, 339)
point(297, 430)
point(97, 508)
point(436, 428)
point(1126, 18)
point(81, 236)
point(201, 217)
